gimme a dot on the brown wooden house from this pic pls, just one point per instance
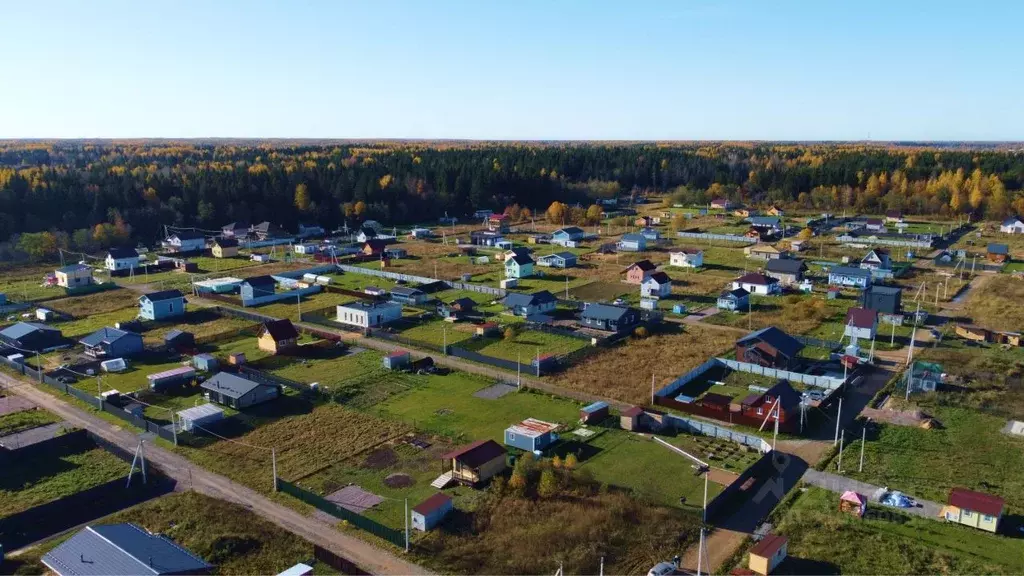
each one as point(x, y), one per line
point(769, 347)
point(476, 462)
point(278, 336)
point(973, 333)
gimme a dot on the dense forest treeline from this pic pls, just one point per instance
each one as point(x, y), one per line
point(90, 195)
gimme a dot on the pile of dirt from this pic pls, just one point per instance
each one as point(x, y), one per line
point(380, 458)
point(399, 481)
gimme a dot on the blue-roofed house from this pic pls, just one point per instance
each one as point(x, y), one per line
point(849, 276)
point(558, 260)
point(112, 343)
point(651, 234)
point(632, 243)
point(766, 223)
point(162, 305)
point(73, 276)
point(567, 237)
point(735, 300)
point(32, 336)
point(122, 550)
point(998, 253)
point(526, 305)
point(518, 267)
point(407, 295)
point(608, 318)
point(257, 287)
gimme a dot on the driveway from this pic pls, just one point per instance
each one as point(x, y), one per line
point(839, 484)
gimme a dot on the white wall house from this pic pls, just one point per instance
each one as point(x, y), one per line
point(368, 314)
point(1012, 225)
point(687, 258)
point(757, 284)
point(122, 259)
point(657, 285)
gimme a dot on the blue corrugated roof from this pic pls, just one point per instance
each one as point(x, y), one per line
point(121, 550)
point(22, 329)
point(230, 385)
point(518, 299)
point(105, 335)
point(595, 407)
point(850, 271)
point(604, 312)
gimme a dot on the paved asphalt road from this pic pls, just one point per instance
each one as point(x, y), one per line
point(367, 556)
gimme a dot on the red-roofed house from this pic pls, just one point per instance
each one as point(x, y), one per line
point(476, 462)
point(767, 554)
point(976, 509)
point(428, 513)
point(861, 323)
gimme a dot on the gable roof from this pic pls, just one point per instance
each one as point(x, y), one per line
point(756, 278)
point(737, 293)
point(226, 242)
point(163, 295)
point(462, 303)
point(765, 248)
point(786, 266)
point(599, 311)
point(121, 550)
point(764, 220)
point(894, 213)
point(521, 260)
point(406, 291)
point(645, 265)
point(632, 411)
point(477, 453)
point(994, 248)
point(518, 299)
point(689, 251)
point(850, 271)
point(22, 329)
point(106, 335)
point(435, 502)
point(769, 545)
point(776, 338)
point(187, 235)
point(660, 278)
point(260, 281)
point(571, 231)
point(562, 255)
point(375, 245)
point(633, 238)
point(861, 317)
point(280, 329)
point(976, 501)
point(1012, 221)
point(122, 253)
point(230, 385)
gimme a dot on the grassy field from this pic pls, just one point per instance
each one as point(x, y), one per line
point(45, 476)
point(794, 313)
point(995, 305)
point(85, 325)
point(24, 283)
point(823, 540)
point(624, 371)
point(446, 405)
point(236, 540)
point(986, 373)
point(307, 437)
point(98, 303)
point(289, 308)
point(601, 291)
point(967, 451)
point(652, 472)
point(18, 421)
point(525, 345)
point(435, 331)
point(201, 323)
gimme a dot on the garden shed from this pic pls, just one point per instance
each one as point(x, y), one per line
point(205, 362)
point(397, 359)
point(431, 511)
point(594, 413)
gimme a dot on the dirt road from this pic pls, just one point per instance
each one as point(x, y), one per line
point(369, 557)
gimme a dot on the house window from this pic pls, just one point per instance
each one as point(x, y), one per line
point(967, 514)
point(987, 518)
point(759, 411)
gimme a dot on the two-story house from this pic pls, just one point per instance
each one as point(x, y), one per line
point(122, 259)
point(687, 258)
point(185, 241)
point(637, 272)
point(519, 267)
point(162, 305)
point(657, 285)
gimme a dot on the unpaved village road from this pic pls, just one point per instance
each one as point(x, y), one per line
point(367, 556)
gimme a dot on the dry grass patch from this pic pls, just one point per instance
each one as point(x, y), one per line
point(996, 304)
point(98, 303)
point(624, 372)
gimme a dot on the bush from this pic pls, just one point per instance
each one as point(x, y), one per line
point(548, 487)
point(510, 333)
point(556, 462)
point(570, 462)
point(517, 483)
point(641, 332)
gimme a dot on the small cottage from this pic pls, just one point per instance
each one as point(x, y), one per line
point(122, 259)
point(456, 309)
point(112, 343)
point(637, 272)
point(519, 267)
point(396, 360)
point(162, 305)
point(1012, 225)
point(998, 253)
point(475, 463)
point(849, 276)
point(788, 271)
point(767, 554)
point(757, 283)
point(568, 237)
point(735, 300)
point(687, 258)
point(237, 392)
point(769, 347)
point(408, 296)
point(558, 260)
point(975, 509)
point(373, 248)
point(527, 305)
point(594, 413)
point(632, 243)
point(179, 340)
point(257, 287)
point(860, 323)
point(609, 318)
point(278, 336)
point(973, 333)
point(185, 241)
point(657, 285)
point(764, 252)
point(73, 276)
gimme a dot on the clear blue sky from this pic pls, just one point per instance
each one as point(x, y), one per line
point(512, 69)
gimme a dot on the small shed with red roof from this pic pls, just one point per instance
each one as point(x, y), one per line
point(975, 509)
point(431, 511)
point(396, 359)
point(767, 554)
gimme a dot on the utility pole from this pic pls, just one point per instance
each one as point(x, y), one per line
point(519, 371)
point(839, 465)
point(273, 464)
point(839, 414)
point(407, 525)
point(863, 439)
point(652, 387)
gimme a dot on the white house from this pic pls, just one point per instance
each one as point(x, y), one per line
point(632, 243)
point(687, 258)
point(421, 233)
point(567, 237)
point(306, 249)
point(368, 314)
point(861, 323)
point(185, 241)
point(122, 259)
point(756, 283)
point(877, 259)
point(1012, 225)
point(657, 285)
point(74, 276)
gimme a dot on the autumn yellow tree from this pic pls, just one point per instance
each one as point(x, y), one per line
point(594, 214)
point(302, 198)
point(359, 209)
point(557, 212)
point(805, 234)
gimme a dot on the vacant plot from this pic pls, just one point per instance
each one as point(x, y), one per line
point(526, 345)
point(307, 437)
point(917, 461)
point(652, 472)
point(289, 307)
point(624, 371)
point(725, 382)
point(796, 313)
point(202, 323)
point(823, 540)
point(601, 291)
point(988, 376)
point(995, 305)
point(209, 264)
point(85, 325)
point(98, 303)
point(236, 540)
point(437, 332)
point(25, 284)
point(46, 475)
point(446, 405)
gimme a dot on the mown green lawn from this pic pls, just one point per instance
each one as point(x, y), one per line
point(18, 421)
point(525, 346)
point(445, 405)
point(438, 331)
point(823, 540)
